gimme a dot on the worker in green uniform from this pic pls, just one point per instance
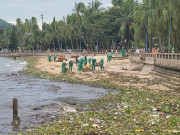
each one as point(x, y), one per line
point(102, 63)
point(81, 63)
point(93, 63)
point(55, 57)
point(78, 63)
point(85, 60)
point(132, 50)
point(110, 56)
point(49, 57)
point(107, 57)
point(64, 70)
point(70, 65)
point(123, 52)
point(89, 60)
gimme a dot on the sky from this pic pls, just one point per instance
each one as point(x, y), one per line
point(10, 10)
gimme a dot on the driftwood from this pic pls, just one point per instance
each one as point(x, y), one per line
point(120, 58)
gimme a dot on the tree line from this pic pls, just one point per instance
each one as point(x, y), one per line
point(128, 23)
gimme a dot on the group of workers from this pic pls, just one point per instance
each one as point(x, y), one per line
point(82, 61)
point(50, 58)
point(64, 64)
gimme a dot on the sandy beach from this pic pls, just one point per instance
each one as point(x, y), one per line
point(121, 72)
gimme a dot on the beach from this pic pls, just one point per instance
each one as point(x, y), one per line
point(134, 108)
point(120, 72)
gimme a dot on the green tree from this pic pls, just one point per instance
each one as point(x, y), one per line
point(14, 39)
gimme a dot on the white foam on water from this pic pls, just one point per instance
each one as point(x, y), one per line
point(17, 69)
point(23, 63)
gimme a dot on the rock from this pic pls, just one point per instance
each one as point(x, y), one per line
point(68, 109)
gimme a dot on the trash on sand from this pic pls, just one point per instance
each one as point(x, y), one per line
point(139, 130)
point(161, 113)
point(85, 124)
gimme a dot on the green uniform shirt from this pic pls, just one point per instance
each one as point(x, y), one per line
point(94, 61)
point(63, 65)
point(102, 62)
point(123, 52)
point(70, 63)
point(55, 57)
point(85, 59)
point(89, 60)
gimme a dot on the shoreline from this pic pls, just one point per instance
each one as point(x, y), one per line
point(99, 119)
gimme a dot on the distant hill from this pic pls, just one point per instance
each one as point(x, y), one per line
point(4, 24)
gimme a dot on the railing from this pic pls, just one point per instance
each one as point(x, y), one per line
point(171, 60)
point(168, 60)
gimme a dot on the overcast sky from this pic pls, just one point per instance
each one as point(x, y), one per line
point(10, 10)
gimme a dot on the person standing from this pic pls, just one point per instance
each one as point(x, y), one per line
point(123, 52)
point(94, 63)
point(78, 63)
point(64, 67)
point(49, 57)
point(102, 63)
point(108, 57)
point(132, 50)
point(85, 60)
point(70, 65)
point(77, 60)
point(55, 57)
point(137, 50)
point(81, 63)
point(89, 60)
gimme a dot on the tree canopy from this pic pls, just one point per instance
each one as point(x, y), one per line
point(96, 28)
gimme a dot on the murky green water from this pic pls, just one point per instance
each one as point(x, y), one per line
point(39, 99)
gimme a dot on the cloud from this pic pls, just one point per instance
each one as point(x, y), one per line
point(38, 22)
point(12, 22)
point(108, 5)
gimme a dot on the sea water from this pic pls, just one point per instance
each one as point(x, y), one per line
point(38, 99)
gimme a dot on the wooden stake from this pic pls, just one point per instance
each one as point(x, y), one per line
point(16, 119)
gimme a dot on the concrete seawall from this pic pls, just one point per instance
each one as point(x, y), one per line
point(167, 60)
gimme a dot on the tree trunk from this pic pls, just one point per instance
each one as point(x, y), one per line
point(59, 44)
point(102, 47)
point(108, 46)
point(178, 46)
point(93, 45)
point(54, 45)
point(45, 47)
point(84, 41)
point(72, 44)
point(161, 43)
point(77, 44)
